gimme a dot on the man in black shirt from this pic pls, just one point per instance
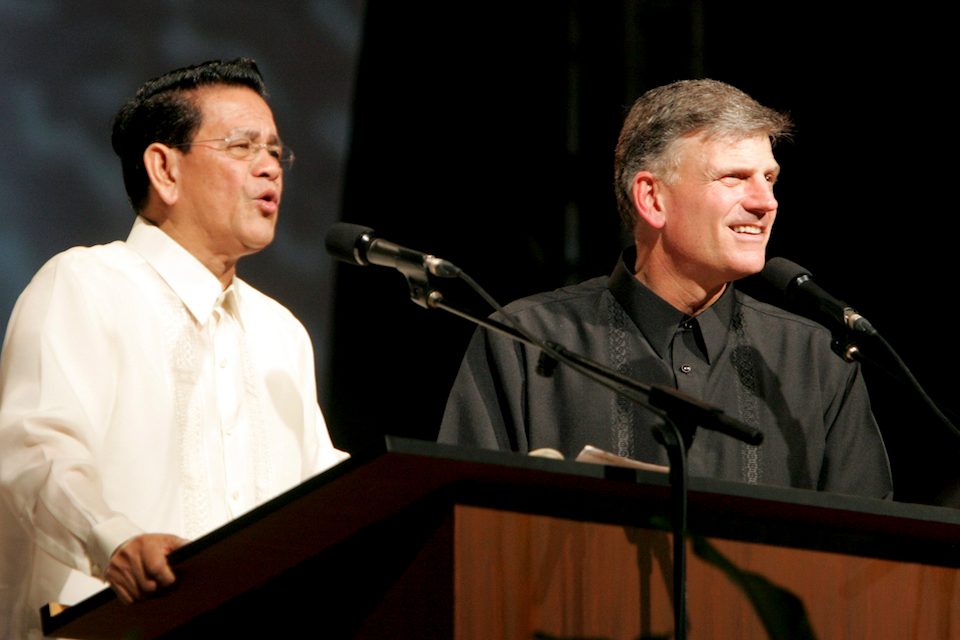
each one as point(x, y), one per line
point(694, 177)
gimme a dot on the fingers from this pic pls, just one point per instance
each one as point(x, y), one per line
point(127, 574)
point(139, 566)
point(122, 589)
point(155, 562)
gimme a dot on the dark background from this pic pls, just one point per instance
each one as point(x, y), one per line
point(486, 137)
point(484, 133)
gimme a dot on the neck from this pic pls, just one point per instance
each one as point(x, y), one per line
point(682, 291)
point(223, 267)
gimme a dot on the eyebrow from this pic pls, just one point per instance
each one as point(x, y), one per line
point(254, 134)
point(723, 169)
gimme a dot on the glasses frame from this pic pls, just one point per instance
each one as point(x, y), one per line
point(277, 150)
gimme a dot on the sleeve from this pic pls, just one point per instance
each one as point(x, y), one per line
point(486, 407)
point(855, 459)
point(323, 455)
point(319, 453)
point(55, 388)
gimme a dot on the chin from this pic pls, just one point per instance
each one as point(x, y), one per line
point(747, 267)
point(260, 236)
point(253, 244)
point(259, 245)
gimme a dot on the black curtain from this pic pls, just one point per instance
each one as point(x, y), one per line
point(484, 134)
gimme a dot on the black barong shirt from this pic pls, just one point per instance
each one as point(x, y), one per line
point(762, 365)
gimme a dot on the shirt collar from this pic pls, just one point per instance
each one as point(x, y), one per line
point(198, 289)
point(658, 320)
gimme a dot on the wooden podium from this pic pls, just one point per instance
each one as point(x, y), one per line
point(430, 541)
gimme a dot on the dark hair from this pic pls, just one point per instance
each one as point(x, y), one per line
point(164, 110)
point(661, 116)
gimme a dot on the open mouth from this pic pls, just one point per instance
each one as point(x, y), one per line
point(748, 229)
point(268, 201)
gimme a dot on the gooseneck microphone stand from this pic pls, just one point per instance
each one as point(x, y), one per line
point(851, 347)
point(854, 337)
point(681, 414)
point(673, 407)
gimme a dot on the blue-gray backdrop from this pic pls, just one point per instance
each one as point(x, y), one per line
point(68, 66)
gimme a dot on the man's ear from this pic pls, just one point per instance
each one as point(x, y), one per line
point(162, 164)
point(647, 195)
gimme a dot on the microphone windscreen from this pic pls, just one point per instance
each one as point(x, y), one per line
point(780, 273)
point(346, 242)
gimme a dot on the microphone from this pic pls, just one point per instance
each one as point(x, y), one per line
point(802, 295)
point(359, 245)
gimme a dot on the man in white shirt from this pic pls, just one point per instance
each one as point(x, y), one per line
point(147, 394)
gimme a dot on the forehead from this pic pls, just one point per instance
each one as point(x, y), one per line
point(225, 109)
point(726, 151)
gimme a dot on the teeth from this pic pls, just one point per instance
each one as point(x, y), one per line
point(748, 228)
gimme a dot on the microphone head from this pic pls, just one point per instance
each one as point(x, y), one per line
point(348, 242)
point(781, 273)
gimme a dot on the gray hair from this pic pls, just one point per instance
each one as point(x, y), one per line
point(664, 115)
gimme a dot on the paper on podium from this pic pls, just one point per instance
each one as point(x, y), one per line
point(594, 455)
point(599, 456)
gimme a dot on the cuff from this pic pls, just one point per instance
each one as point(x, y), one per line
point(105, 538)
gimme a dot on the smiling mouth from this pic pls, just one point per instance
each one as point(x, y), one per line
point(749, 229)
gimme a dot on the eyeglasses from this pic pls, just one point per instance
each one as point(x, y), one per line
point(243, 148)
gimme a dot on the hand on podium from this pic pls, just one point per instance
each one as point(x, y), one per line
point(139, 566)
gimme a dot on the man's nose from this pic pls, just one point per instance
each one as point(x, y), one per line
point(760, 198)
point(265, 164)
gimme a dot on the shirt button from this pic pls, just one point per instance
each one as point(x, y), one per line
point(235, 495)
point(223, 363)
point(685, 368)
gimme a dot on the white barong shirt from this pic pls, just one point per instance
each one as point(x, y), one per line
point(136, 395)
